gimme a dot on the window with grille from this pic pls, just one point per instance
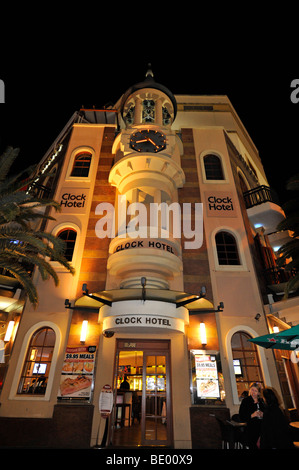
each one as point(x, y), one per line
point(213, 167)
point(227, 249)
point(81, 165)
point(246, 362)
point(69, 236)
point(37, 365)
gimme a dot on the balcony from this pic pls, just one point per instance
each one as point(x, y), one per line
point(276, 279)
point(263, 208)
point(259, 195)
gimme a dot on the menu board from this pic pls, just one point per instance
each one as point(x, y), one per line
point(206, 377)
point(77, 372)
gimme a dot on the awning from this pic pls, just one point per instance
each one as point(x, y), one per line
point(190, 301)
point(287, 339)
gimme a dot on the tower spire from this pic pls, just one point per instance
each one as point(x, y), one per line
point(149, 73)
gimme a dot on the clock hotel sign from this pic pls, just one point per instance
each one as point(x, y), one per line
point(220, 204)
point(73, 200)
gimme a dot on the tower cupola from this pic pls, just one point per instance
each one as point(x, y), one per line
point(148, 102)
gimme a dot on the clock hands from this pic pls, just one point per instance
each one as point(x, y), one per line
point(148, 139)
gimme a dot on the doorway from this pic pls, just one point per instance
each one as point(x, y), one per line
point(142, 394)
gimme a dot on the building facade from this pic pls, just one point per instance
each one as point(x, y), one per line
point(170, 224)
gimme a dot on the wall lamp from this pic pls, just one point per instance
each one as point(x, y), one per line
point(257, 317)
point(83, 331)
point(67, 304)
point(95, 297)
point(203, 333)
point(9, 331)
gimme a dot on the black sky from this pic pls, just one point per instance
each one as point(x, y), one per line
point(46, 81)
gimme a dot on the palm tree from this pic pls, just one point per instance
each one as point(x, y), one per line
point(291, 248)
point(20, 244)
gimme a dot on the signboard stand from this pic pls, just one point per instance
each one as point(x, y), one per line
point(105, 408)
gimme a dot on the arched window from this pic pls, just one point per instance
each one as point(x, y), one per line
point(227, 249)
point(69, 236)
point(213, 167)
point(37, 365)
point(81, 165)
point(246, 362)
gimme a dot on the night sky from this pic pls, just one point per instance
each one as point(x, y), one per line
point(45, 85)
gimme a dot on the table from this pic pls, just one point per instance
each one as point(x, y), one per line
point(237, 424)
point(294, 424)
point(238, 433)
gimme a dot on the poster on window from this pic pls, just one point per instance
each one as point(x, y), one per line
point(77, 373)
point(206, 377)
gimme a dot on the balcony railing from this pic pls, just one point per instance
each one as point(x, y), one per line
point(278, 275)
point(259, 195)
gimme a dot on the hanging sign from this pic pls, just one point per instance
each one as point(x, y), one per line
point(106, 401)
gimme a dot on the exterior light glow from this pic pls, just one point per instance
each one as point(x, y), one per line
point(202, 332)
point(83, 331)
point(8, 333)
point(275, 329)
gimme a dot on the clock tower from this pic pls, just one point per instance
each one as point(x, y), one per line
point(147, 174)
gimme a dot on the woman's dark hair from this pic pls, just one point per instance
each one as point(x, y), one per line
point(270, 397)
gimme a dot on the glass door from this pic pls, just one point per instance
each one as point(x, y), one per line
point(142, 413)
point(156, 414)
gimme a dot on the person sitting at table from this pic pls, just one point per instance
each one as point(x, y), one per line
point(251, 412)
point(275, 432)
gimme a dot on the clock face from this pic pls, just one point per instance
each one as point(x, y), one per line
point(148, 140)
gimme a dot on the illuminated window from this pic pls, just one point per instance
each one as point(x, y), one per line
point(37, 365)
point(81, 165)
point(227, 249)
point(213, 167)
point(246, 362)
point(69, 236)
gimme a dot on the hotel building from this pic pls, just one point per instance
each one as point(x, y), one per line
point(170, 224)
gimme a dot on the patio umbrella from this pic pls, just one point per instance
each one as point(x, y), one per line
point(287, 339)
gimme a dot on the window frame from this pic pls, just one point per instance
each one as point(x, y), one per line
point(69, 229)
point(83, 167)
point(228, 267)
point(261, 355)
point(76, 152)
point(217, 154)
point(226, 253)
point(245, 366)
point(14, 395)
point(58, 229)
point(30, 362)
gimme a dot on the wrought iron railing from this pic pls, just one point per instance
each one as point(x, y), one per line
point(259, 195)
point(278, 275)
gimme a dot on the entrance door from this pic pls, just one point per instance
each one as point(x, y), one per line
point(155, 403)
point(142, 413)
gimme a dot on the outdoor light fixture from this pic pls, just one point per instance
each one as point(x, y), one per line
point(83, 331)
point(143, 282)
point(202, 333)
point(275, 329)
point(95, 297)
point(9, 330)
point(257, 317)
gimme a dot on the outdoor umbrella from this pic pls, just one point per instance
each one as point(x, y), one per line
point(287, 339)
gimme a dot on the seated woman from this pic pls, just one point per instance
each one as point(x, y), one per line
point(251, 412)
point(275, 432)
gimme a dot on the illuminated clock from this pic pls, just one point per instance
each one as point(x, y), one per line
point(148, 140)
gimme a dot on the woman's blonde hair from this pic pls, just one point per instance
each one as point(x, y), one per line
point(256, 385)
